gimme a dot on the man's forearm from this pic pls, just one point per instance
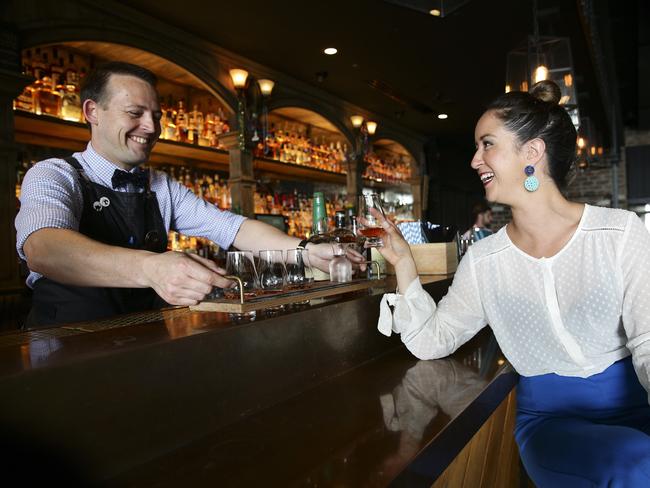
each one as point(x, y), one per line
point(254, 235)
point(69, 257)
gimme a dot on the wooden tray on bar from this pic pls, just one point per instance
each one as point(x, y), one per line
point(317, 289)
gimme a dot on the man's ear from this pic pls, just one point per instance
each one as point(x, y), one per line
point(535, 150)
point(90, 109)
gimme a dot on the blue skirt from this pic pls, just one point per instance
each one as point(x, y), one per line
point(585, 432)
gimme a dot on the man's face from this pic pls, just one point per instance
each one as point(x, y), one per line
point(126, 125)
point(487, 217)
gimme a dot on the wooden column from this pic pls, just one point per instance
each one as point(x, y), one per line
point(241, 178)
point(354, 182)
point(12, 83)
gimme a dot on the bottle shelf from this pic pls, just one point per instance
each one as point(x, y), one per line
point(44, 130)
point(264, 166)
point(48, 131)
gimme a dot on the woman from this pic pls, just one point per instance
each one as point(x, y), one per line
point(565, 289)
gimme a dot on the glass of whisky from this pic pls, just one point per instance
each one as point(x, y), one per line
point(369, 227)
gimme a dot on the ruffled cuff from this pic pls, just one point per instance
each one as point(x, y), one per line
point(386, 324)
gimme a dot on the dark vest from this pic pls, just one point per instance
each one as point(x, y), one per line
point(124, 219)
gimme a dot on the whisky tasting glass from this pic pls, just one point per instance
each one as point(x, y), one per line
point(271, 269)
point(369, 227)
point(241, 264)
point(296, 268)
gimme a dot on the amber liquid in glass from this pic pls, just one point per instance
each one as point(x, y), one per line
point(371, 231)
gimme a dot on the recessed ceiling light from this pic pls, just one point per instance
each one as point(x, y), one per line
point(330, 51)
point(435, 12)
point(442, 116)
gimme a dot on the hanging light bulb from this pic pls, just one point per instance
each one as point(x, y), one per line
point(581, 142)
point(508, 89)
point(372, 127)
point(541, 73)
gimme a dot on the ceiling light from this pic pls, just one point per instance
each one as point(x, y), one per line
point(356, 120)
point(541, 73)
point(442, 116)
point(239, 77)
point(330, 51)
point(435, 12)
point(372, 127)
point(266, 86)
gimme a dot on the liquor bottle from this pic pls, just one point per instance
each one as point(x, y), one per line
point(181, 123)
point(71, 104)
point(71, 74)
point(38, 69)
point(49, 98)
point(341, 234)
point(319, 230)
point(70, 99)
point(25, 100)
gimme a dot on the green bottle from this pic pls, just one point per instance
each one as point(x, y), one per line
point(319, 232)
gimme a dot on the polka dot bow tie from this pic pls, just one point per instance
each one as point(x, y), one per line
point(138, 178)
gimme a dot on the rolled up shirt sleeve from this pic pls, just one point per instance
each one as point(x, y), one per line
point(50, 197)
point(194, 216)
point(430, 331)
point(635, 264)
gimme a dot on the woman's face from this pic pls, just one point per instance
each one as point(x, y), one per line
point(498, 160)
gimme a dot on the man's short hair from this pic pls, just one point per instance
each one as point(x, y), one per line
point(94, 84)
point(479, 208)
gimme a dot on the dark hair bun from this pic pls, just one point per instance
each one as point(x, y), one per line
point(546, 91)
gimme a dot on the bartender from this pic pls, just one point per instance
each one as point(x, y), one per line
point(93, 227)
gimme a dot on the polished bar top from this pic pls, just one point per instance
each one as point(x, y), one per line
point(43, 348)
point(313, 395)
point(394, 421)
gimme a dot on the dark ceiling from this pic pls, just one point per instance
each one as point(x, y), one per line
point(392, 60)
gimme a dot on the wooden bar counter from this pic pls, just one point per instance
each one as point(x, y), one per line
point(311, 396)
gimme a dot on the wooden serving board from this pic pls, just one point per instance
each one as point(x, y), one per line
point(317, 289)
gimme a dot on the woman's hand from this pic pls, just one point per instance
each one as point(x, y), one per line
point(396, 251)
point(395, 248)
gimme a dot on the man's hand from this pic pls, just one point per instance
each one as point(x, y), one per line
point(320, 256)
point(182, 279)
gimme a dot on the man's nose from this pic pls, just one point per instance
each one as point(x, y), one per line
point(149, 123)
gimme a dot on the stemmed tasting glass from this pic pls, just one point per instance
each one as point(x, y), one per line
point(271, 269)
point(241, 264)
point(369, 227)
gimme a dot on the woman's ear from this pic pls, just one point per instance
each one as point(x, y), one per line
point(535, 150)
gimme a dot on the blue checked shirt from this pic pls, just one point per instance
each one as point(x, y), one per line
point(51, 196)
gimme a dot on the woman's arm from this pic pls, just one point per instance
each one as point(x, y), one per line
point(427, 330)
point(635, 262)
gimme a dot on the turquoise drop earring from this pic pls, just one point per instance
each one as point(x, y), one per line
point(531, 183)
